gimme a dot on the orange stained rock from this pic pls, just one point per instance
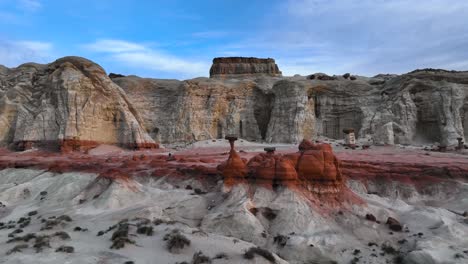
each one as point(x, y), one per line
point(317, 162)
point(234, 170)
point(271, 168)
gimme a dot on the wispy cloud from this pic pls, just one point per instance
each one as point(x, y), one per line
point(210, 34)
point(362, 36)
point(13, 53)
point(141, 56)
point(30, 5)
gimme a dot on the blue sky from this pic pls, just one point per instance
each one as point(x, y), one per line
point(178, 39)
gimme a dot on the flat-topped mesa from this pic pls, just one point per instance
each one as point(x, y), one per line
point(243, 66)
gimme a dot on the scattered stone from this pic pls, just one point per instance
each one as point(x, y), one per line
point(32, 213)
point(65, 249)
point(394, 224)
point(371, 217)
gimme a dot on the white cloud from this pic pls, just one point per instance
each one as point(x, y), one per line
point(360, 36)
point(114, 46)
point(209, 34)
point(13, 53)
point(30, 5)
point(142, 56)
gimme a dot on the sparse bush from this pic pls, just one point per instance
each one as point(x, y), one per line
point(250, 254)
point(64, 218)
point(280, 240)
point(145, 230)
point(158, 221)
point(352, 78)
point(63, 235)
point(199, 258)
point(17, 248)
point(221, 256)
point(346, 75)
point(388, 249)
point(41, 242)
point(175, 241)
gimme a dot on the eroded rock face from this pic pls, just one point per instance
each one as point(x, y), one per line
point(234, 170)
point(235, 66)
point(419, 107)
point(72, 101)
point(69, 104)
point(314, 167)
point(271, 170)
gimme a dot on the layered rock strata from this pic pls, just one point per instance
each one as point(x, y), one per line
point(314, 167)
point(414, 108)
point(235, 66)
point(62, 101)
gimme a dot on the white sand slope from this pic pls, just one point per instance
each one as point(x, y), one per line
point(217, 222)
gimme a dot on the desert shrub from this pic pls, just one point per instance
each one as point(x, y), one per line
point(145, 230)
point(352, 78)
point(346, 75)
point(250, 254)
point(175, 241)
point(17, 248)
point(41, 242)
point(388, 249)
point(199, 258)
point(280, 240)
point(221, 256)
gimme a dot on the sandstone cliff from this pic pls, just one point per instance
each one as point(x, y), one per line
point(69, 104)
point(418, 107)
point(237, 66)
point(73, 100)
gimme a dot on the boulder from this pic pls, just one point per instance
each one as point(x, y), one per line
point(394, 225)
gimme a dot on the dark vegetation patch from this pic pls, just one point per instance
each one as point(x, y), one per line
point(175, 241)
point(251, 252)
